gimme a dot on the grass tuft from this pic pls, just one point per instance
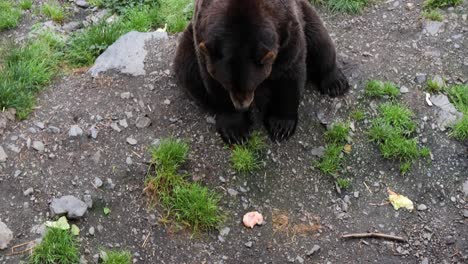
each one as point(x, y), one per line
point(9, 15)
point(338, 133)
point(358, 115)
point(433, 4)
point(343, 183)
point(433, 15)
point(375, 88)
point(169, 155)
point(25, 4)
point(54, 11)
point(460, 129)
point(346, 6)
point(330, 163)
point(434, 86)
point(243, 159)
point(175, 13)
point(57, 246)
point(458, 94)
point(117, 257)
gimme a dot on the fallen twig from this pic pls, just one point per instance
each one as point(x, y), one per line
point(375, 235)
point(27, 249)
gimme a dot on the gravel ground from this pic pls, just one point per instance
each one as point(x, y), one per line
point(390, 41)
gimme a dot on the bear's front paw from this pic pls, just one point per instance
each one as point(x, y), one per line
point(234, 128)
point(280, 129)
point(334, 84)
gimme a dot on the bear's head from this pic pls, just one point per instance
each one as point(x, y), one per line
point(239, 47)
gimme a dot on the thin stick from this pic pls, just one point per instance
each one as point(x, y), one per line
point(146, 239)
point(375, 235)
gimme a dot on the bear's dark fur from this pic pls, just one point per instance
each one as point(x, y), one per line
point(239, 53)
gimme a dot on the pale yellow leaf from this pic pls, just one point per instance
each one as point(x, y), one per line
point(399, 201)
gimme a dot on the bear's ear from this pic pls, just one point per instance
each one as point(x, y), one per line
point(203, 48)
point(269, 57)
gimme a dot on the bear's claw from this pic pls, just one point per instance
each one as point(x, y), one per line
point(280, 129)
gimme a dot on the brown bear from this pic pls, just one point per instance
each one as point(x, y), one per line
point(236, 54)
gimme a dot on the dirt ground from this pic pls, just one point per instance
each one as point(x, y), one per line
point(387, 42)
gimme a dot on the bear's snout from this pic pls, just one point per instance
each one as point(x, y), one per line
point(242, 101)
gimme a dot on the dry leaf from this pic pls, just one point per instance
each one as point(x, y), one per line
point(399, 201)
point(347, 148)
point(280, 221)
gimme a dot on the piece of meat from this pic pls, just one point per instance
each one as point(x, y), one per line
point(252, 218)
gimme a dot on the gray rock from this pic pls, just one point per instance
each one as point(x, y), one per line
point(299, 259)
point(38, 229)
point(72, 26)
point(38, 145)
point(422, 207)
point(97, 182)
point(439, 81)
point(325, 117)
point(91, 231)
point(17, 173)
point(53, 130)
point(404, 89)
point(224, 231)
point(93, 132)
point(115, 127)
point(6, 235)
point(110, 183)
point(88, 200)
point(129, 161)
point(28, 191)
point(39, 124)
point(249, 244)
point(420, 77)
point(73, 207)
point(81, 3)
point(433, 27)
point(319, 151)
point(465, 188)
point(143, 122)
point(447, 114)
point(232, 192)
point(125, 95)
point(465, 213)
point(425, 261)
point(132, 141)
point(75, 131)
point(211, 120)
point(3, 155)
point(96, 157)
point(123, 123)
point(314, 249)
point(127, 54)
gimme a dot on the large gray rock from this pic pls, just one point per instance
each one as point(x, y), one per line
point(447, 114)
point(70, 205)
point(5, 235)
point(127, 54)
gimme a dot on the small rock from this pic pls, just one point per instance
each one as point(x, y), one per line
point(39, 124)
point(72, 26)
point(70, 205)
point(5, 235)
point(100, 228)
point(404, 89)
point(38, 229)
point(88, 200)
point(232, 192)
point(319, 151)
point(420, 77)
point(38, 145)
point(210, 120)
point(422, 207)
point(115, 127)
point(249, 244)
point(143, 122)
point(425, 261)
point(53, 130)
point(3, 155)
point(125, 95)
point(123, 123)
point(314, 249)
point(410, 6)
point(81, 3)
point(465, 188)
point(110, 183)
point(91, 231)
point(28, 191)
point(93, 132)
point(433, 27)
point(97, 182)
point(132, 141)
point(465, 213)
point(129, 161)
point(167, 102)
point(224, 231)
point(17, 173)
point(299, 259)
point(439, 81)
point(75, 131)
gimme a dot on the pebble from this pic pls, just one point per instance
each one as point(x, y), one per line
point(224, 231)
point(39, 124)
point(132, 141)
point(53, 130)
point(6, 235)
point(167, 102)
point(28, 191)
point(3, 155)
point(299, 259)
point(232, 192)
point(249, 244)
point(465, 188)
point(319, 151)
point(465, 213)
point(81, 3)
point(425, 261)
point(404, 89)
point(91, 231)
point(75, 131)
point(38, 145)
point(73, 207)
point(422, 207)
point(97, 182)
point(88, 200)
point(129, 161)
point(110, 183)
point(125, 95)
point(420, 77)
point(211, 120)
point(17, 173)
point(94, 132)
point(123, 123)
point(115, 127)
point(314, 249)
point(143, 122)
point(100, 228)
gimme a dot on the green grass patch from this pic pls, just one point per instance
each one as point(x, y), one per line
point(175, 13)
point(27, 69)
point(97, 3)
point(433, 15)
point(376, 88)
point(9, 15)
point(358, 115)
point(331, 161)
point(460, 129)
point(53, 10)
point(435, 86)
point(57, 246)
point(392, 131)
point(343, 183)
point(433, 4)
point(85, 46)
point(458, 94)
point(187, 203)
point(116, 257)
point(338, 133)
point(247, 158)
point(345, 6)
point(25, 4)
